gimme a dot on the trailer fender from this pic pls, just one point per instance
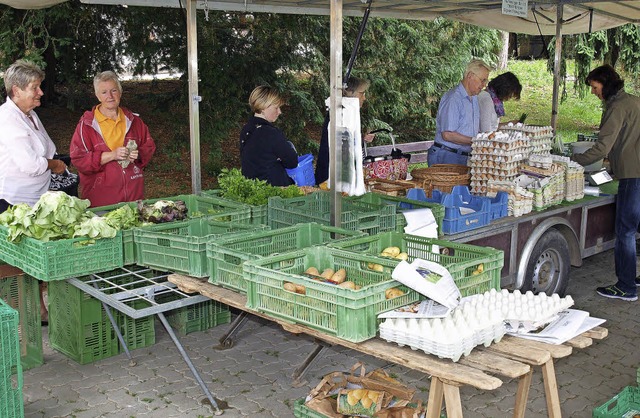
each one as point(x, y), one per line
point(567, 231)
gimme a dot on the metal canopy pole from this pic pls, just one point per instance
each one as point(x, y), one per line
point(335, 105)
point(194, 102)
point(556, 67)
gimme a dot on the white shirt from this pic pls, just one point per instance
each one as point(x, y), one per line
point(24, 151)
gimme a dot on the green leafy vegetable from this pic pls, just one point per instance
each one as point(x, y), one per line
point(236, 187)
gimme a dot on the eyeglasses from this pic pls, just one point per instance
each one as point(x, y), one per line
point(484, 81)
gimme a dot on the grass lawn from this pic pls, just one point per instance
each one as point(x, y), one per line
point(575, 114)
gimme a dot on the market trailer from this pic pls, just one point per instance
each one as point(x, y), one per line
point(540, 247)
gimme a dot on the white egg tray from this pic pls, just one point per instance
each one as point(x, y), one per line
point(450, 337)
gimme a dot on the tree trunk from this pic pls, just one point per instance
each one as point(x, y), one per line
point(504, 52)
point(513, 45)
point(612, 55)
point(49, 83)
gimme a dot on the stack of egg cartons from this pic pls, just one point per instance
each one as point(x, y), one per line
point(574, 178)
point(520, 199)
point(496, 157)
point(450, 337)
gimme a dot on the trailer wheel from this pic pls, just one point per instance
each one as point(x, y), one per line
point(548, 267)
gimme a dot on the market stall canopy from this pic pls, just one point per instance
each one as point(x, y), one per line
point(31, 4)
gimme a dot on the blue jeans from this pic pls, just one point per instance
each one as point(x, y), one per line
point(437, 155)
point(627, 224)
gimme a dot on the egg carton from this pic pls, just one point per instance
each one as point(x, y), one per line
point(450, 337)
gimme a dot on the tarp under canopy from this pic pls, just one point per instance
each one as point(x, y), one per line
point(31, 4)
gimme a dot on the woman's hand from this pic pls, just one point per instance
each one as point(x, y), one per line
point(118, 154)
point(133, 155)
point(56, 166)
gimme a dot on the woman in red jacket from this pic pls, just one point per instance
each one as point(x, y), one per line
point(110, 147)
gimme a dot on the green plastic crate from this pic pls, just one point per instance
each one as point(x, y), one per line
point(80, 328)
point(11, 402)
point(227, 254)
point(22, 293)
point(460, 259)
point(348, 314)
point(259, 213)
point(316, 207)
point(220, 209)
point(624, 404)
point(300, 410)
point(182, 246)
point(199, 317)
point(61, 259)
point(403, 204)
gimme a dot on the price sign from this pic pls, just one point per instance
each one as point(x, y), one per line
point(515, 7)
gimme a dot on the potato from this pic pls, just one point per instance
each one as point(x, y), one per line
point(348, 285)
point(290, 287)
point(339, 276)
point(393, 293)
point(375, 267)
point(359, 393)
point(390, 252)
point(300, 289)
point(327, 273)
point(402, 256)
point(351, 399)
point(476, 272)
point(366, 402)
point(312, 270)
point(480, 268)
point(358, 287)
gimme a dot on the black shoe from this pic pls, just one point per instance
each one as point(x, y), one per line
point(614, 292)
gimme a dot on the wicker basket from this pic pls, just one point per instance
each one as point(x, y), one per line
point(390, 187)
point(441, 177)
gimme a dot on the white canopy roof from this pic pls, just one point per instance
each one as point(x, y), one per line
point(579, 16)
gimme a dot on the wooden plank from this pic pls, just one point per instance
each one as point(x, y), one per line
point(495, 363)
point(524, 384)
point(597, 333)
point(580, 342)
point(404, 356)
point(529, 355)
point(556, 350)
point(551, 390)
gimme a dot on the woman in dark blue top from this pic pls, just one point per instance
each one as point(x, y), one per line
point(264, 150)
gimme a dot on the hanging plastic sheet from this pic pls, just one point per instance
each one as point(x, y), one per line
point(348, 150)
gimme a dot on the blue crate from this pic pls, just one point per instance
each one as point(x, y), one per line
point(455, 203)
point(303, 174)
point(499, 206)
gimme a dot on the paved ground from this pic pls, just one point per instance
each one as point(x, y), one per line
point(252, 379)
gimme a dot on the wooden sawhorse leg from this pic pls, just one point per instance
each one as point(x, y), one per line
point(551, 389)
point(524, 384)
point(450, 393)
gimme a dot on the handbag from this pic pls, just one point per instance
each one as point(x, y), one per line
point(389, 167)
point(65, 182)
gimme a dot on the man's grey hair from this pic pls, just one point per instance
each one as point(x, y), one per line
point(20, 74)
point(106, 76)
point(475, 66)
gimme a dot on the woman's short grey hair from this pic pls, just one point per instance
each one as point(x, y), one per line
point(106, 76)
point(475, 66)
point(20, 74)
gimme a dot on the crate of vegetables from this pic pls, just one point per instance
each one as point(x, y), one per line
point(58, 238)
point(181, 247)
point(474, 269)
point(331, 290)
point(227, 255)
point(129, 215)
point(316, 207)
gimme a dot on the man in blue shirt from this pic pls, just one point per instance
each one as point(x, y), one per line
point(458, 119)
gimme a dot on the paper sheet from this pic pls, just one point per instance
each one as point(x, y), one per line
point(570, 323)
point(421, 222)
point(443, 290)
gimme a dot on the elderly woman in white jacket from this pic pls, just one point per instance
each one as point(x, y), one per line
point(27, 150)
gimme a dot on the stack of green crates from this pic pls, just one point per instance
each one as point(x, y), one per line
point(22, 293)
point(227, 254)
point(197, 206)
point(348, 314)
point(316, 207)
point(80, 328)
point(462, 260)
point(11, 403)
point(403, 204)
point(181, 247)
point(199, 317)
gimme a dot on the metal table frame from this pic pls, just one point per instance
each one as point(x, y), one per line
point(123, 289)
